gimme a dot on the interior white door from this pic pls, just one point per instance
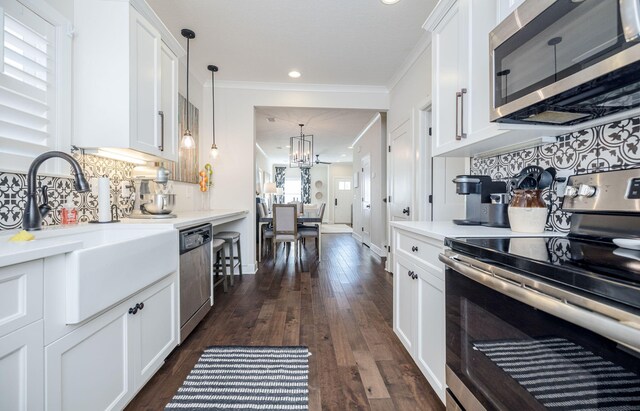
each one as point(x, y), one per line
point(401, 172)
point(343, 200)
point(447, 205)
point(365, 190)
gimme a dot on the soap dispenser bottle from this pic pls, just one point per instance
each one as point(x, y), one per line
point(69, 213)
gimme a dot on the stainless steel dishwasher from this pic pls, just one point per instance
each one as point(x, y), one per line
point(195, 277)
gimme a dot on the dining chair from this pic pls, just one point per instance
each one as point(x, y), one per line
point(266, 230)
point(299, 206)
point(285, 226)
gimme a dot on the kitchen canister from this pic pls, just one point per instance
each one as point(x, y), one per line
point(527, 211)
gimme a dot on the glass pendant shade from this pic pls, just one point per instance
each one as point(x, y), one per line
point(301, 151)
point(187, 140)
point(214, 151)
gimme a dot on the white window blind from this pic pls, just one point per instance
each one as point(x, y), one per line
point(27, 85)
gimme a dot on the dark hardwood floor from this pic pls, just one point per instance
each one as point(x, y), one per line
point(340, 308)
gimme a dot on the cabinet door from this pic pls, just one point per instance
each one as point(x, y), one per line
point(405, 292)
point(22, 369)
point(446, 77)
point(145, 85)
point(168, 104)
point(88, 368)
point(154, 329)
point(430, 349)
point(20, 295)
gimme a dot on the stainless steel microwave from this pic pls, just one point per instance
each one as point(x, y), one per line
point(565, 61)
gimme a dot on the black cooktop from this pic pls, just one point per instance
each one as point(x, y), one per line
point(599, 269)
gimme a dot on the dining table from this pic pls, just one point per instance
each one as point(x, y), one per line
point(308, 217)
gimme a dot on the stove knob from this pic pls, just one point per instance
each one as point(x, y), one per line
point(571, 191)
point(586, 190)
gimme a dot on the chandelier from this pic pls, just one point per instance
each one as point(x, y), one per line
point(301, 151)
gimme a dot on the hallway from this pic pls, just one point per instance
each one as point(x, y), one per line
point(340, 308)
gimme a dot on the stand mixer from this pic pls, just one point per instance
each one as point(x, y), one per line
point(151, 197)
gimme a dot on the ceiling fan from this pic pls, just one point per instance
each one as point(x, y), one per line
point(320, 162)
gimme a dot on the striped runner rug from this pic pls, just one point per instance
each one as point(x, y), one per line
point(246, 378)
point(563, 375)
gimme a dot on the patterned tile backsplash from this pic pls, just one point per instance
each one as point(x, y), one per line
point(13, 192)
point(611, 146)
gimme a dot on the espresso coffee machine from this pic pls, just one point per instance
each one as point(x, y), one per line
point(481, 210)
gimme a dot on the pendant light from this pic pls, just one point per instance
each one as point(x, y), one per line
point(187, 139)
point(214, 147)
point(301, 150)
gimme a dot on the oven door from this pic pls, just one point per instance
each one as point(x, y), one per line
point(506, 354)
point(548, 48)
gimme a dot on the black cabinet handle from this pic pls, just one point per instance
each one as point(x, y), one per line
point(134, 310)
point(414, 248)
point(414, 276)
point(140, 306)
point(410, 274)
point(406, 211)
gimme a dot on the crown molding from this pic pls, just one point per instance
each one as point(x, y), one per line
point(273, 86)
point(410, 60)
point(438, 13)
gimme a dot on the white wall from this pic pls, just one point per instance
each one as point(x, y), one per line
point(235, 131)
point(373, 144)
point(407, 97)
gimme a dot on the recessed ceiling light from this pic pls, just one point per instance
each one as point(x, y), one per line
point(288, 146)
point(343, 155)
point(389, 1)
point(350, 148)
point(294, 74)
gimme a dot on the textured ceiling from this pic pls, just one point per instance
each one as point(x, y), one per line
point(333, 131)
point(349, 42)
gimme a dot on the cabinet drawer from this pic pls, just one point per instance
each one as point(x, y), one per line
point(421, 249)
point(20, 295)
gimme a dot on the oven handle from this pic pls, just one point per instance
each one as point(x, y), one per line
point(607, 321)
point(630, 17)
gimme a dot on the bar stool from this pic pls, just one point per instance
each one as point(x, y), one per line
point(219, 265)
point(231, 238)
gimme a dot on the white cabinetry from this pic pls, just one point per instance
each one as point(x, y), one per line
point(102, 364)
point(418, 304)
point(460, 79)
point(123, 68)
point(21, 337)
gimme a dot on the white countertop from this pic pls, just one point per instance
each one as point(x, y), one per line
point(439, 230)
point(191, 218)
point(64, 239)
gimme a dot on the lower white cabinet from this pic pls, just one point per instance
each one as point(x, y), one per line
point(22, 369)
point(101, 365)
point(418, 304)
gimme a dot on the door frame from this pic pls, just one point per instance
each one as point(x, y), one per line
point(366, 158)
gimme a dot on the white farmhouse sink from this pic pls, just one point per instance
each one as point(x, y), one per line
point(113, 264)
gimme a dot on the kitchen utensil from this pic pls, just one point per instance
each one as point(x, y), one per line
point(160, 204)
point(545, 179)
point(527, 182)
point(533, 170)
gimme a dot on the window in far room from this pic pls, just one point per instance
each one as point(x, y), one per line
point(292, 189)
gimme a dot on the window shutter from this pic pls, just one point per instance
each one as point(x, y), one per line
point(27, 92)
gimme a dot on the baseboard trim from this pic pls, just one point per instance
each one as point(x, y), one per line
point(379, 251)
point(247, 269)
point(356, 236)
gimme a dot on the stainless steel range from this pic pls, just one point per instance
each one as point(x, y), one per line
point(550, 323)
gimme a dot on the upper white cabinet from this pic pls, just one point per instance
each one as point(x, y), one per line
point(125, 79)
point(460, 78)
point(506, 7)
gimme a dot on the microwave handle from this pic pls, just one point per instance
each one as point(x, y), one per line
point(630, 16)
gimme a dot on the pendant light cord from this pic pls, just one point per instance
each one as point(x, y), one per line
point(213, 106)
point(187, 104)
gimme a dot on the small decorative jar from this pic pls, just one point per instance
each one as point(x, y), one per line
point(527, 211)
